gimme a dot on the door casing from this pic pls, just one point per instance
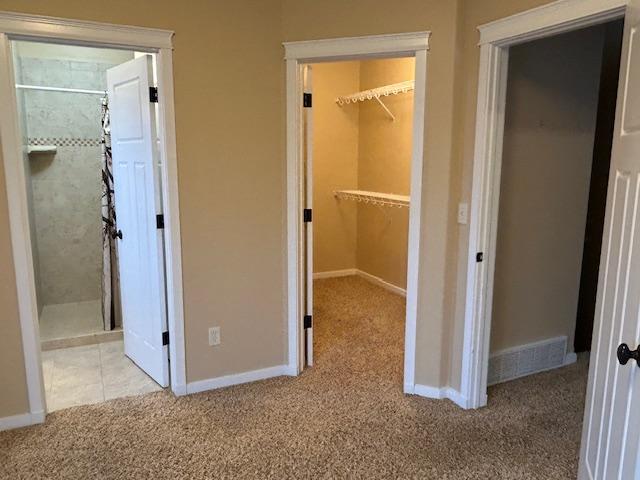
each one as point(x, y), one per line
point(495, 39)
point(297, 54)
point(57, 30)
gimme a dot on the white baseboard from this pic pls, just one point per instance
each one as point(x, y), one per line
point(382, 283)
point(427, 391)
point(571, 357)
point(237, 379)
point(362, 274)
point(290, 370)
point(22, 420)
point(179, 390)
point(456, 397)
point(438, 393)
point(335, 273)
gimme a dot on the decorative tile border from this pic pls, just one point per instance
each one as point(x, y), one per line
point(64, 142)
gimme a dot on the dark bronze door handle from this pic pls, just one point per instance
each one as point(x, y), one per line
point(624, 354)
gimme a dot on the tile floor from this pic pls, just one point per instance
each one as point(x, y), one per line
point(70, 320)
point(91, 374)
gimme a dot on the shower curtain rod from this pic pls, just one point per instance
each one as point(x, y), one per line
point(61, 89)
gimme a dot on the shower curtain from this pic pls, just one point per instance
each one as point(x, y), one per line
point(111, 312)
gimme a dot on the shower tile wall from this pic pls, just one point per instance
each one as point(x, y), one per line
point(66, 186)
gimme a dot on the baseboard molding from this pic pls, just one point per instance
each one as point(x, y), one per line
point(570, 358)
point(438, 393)
point(22, 420)
point(362, 274)
point(427, 391)
point(456, 397)
point(237, 379)
point(382, 283)
point(335, 273)
point(179, 390)
point(528, 359)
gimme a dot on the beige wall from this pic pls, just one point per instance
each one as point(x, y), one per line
point(552, 100)
point(229, 80)
point(335, 165)
point(384, 165)
point(13, 386)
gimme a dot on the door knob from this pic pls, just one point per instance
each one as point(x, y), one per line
point(624, 354)
point(117, 234)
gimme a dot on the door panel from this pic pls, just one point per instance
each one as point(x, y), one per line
point(137, 202)
point(611, 424)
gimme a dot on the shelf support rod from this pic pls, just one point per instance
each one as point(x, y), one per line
point(393, 119)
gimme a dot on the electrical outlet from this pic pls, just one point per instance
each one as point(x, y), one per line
point(214, 336)
point(463, 213)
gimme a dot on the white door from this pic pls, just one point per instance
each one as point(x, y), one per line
point(137, 202)
point(611, 430)
point(308, 225)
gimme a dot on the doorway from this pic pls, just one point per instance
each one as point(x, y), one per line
point(86, 34)
point(558, 131)
point(609, 435)
point(358, 176)
point(299, 195)
point(79, 189)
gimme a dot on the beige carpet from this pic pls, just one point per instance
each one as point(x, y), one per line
point(345, 418)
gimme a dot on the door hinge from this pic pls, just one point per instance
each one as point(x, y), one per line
point(479, 257)
point(160, 221)
point(307, 215)
point(153, 94)
point(307, 100)
point(308, 321)
point(165, 338)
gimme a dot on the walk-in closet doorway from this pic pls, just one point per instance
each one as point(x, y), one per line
point(353, 199)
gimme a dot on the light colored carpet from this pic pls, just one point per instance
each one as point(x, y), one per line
point(344, 418)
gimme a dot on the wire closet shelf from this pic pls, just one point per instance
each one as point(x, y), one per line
point(373, 198)
point(376, 93)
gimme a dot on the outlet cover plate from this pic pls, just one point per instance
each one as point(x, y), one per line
point(214, 336)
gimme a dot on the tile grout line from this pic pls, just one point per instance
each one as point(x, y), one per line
point(101, 372)
point(49, 398)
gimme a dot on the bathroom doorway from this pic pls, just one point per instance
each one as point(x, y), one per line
point(95, 343)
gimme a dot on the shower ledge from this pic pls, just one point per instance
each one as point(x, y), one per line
point(41, 149)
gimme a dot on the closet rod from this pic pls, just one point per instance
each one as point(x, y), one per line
point(61, 89)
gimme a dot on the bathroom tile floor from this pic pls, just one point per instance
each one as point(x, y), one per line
point(91, 374)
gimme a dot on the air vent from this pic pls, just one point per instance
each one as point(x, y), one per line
point(526, 360)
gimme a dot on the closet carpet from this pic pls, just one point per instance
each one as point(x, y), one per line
point(344, 418)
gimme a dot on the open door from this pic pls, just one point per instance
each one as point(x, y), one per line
point(137, 204)
point(611, 430)
point(308, 202)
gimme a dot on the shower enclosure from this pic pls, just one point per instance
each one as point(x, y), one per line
point(60, 94)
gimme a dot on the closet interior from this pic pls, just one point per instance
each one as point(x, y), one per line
point(362, 149)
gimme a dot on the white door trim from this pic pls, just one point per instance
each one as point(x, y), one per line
point(495, 40)
point(296, 55)
point(18, 26)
